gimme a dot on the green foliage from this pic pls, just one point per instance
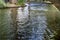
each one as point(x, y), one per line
point(20, 2)
point(2, 3)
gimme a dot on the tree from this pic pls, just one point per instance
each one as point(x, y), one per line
point(2, 3)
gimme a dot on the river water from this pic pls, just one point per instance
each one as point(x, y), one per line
point(29, 23)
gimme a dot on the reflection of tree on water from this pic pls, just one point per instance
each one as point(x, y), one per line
point(3, 29)
point(6, 29)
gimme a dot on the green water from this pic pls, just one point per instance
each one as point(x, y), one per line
point(53, 17)
point(6, 29)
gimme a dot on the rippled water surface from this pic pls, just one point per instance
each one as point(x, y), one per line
point(29, 23)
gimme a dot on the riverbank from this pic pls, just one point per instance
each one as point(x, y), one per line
point(8, 5)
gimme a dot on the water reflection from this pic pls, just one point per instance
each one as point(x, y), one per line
point(23, 23)
point(24, 27)
point(6, 29)
point(33, 28)
point(14, 22)
point(27, 23)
